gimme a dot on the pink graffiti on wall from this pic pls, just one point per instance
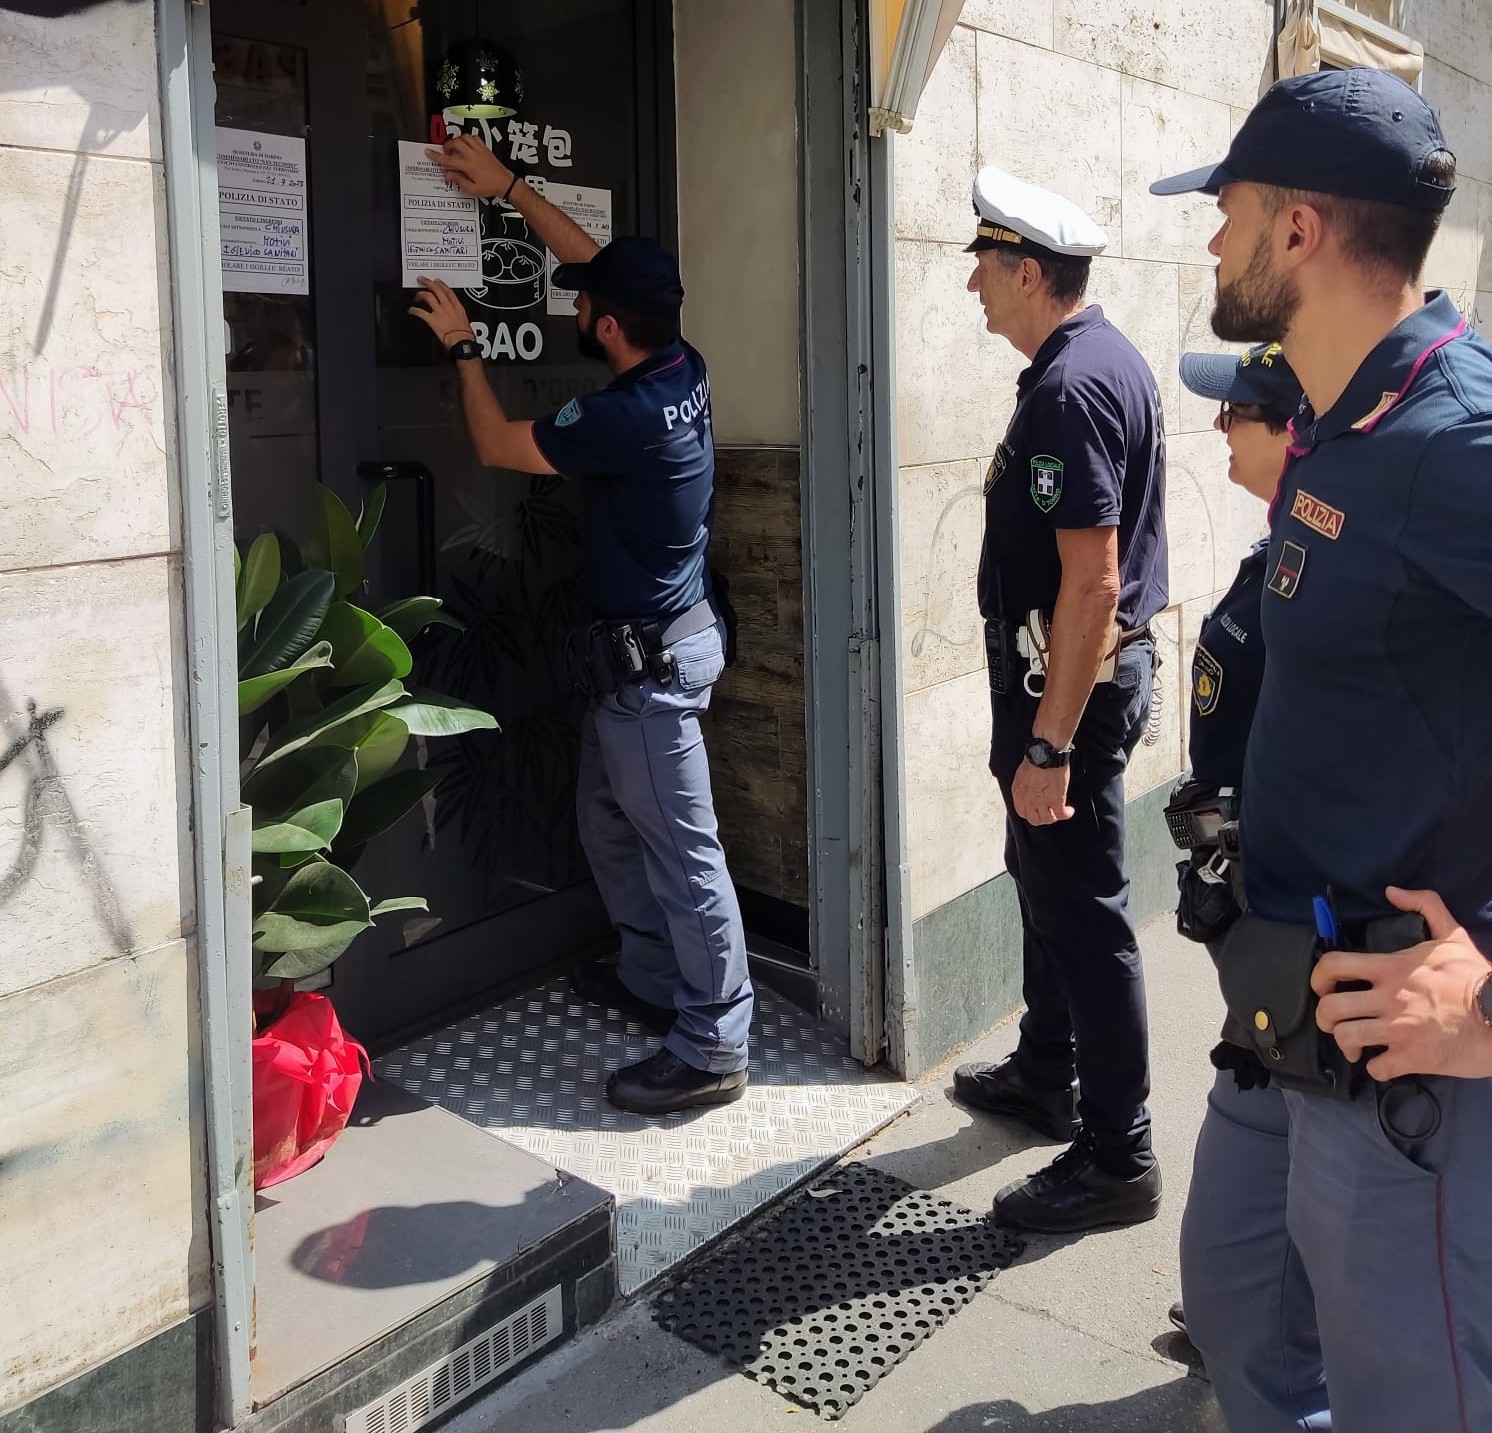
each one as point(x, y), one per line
point(71, 402)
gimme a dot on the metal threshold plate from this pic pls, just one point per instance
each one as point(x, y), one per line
point(533, 1070)
point(822, 1299)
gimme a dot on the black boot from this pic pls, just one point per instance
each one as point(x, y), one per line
point(663, 1084)
point(1076, 1192)
point(1002, 1090)
point(597, 982)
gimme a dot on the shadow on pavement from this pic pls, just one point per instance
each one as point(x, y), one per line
point(1185, 1406)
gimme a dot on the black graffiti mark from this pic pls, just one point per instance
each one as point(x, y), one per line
point(46, 800)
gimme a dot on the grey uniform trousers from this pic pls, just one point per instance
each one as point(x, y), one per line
point(647, 823)
point(1317, 1237)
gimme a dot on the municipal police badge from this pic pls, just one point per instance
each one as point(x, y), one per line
point(1207, 680)
point(570, 413)
point(1046, 482)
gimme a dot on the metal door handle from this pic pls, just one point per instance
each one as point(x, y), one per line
point(424, 489)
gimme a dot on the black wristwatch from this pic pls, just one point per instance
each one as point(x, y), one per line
point(1484, 997)
point(1043, 754)
point(465, 348)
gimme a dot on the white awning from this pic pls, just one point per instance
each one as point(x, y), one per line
point(906, 38)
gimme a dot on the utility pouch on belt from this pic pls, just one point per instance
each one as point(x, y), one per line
point(1264, 968)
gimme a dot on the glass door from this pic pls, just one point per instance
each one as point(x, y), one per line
point(331, 381)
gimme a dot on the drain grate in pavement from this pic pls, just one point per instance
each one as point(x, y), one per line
point(824, 1298)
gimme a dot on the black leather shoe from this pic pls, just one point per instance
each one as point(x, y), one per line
point(597, 982)
point(1074, 1192)
point(1002, 1090)
point(1177, 1315)
point(663, 1084)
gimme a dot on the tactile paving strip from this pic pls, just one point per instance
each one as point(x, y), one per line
point(823, 1299)
point(533, 1070)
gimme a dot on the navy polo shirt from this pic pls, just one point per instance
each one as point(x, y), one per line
point(1227, 670)
point(1370, 760)
point(1086, 447)
point(643, 448)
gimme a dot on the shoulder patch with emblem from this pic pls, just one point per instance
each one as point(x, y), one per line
point(569, 414)
point(1284, 577)
point(997, 467)
point(1046, 481)
point(1207, 680)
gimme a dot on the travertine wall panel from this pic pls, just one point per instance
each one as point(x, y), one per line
point(955, 819)
point(104, 1236)
point(940, 153)
point(83, 82)
point(940, 522)
point(1028, 20)
point(1027, 95)
point(82, 395)
point(92, 648)
point(1465, 109)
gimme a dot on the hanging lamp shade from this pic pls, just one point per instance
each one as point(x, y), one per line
point(478, 79)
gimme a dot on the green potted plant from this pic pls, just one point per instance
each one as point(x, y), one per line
point(326, 716)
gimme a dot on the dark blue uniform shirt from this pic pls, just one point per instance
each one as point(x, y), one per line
point(644, 450)
point(1370, 760)
point(1227, 669)
point(1086, 447)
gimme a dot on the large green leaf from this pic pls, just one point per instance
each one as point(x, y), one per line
point(337, 547)
point(315, 727)
point(432, 714)
point(363, 649)
point(379, 748)
point(259, 578)
point(299, 964)
point(372, 511)
point(288, 625)
point(411, 615)
point(318, 773)
point(309, 829)
point(401, 903)
point(320, 905)
point(384, 804)
point(253, 693)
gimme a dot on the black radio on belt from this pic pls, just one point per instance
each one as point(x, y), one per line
point(1198, 813)
point(1000, 654)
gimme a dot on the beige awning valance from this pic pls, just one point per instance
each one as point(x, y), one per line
point(1328, 32)
point(906, 38)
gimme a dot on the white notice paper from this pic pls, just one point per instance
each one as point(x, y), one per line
point(591, 209)
point(262, 213)
point(440, 231)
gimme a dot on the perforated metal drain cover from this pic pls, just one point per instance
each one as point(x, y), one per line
point(823, 1299)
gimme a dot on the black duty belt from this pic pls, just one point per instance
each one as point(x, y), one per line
point(609, 655)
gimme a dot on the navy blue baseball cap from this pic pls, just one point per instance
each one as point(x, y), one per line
point(1259, 376)
point(634, 273)
point(1359, 134)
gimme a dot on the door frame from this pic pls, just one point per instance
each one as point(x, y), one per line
point(220, 822)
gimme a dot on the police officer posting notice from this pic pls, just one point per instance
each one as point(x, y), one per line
point(643, 451)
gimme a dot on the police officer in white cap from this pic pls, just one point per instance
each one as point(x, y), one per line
point(1072, 571)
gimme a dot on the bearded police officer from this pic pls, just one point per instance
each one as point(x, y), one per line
point(1073, 569)
point(642, 451)
point(1369, 768)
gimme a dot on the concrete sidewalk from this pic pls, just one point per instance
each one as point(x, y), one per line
point(1072, 1339)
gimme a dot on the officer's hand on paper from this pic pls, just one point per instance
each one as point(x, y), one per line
point(1040, 794)
point(472, 167)
point(436, 305)
point(1420, 1004)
